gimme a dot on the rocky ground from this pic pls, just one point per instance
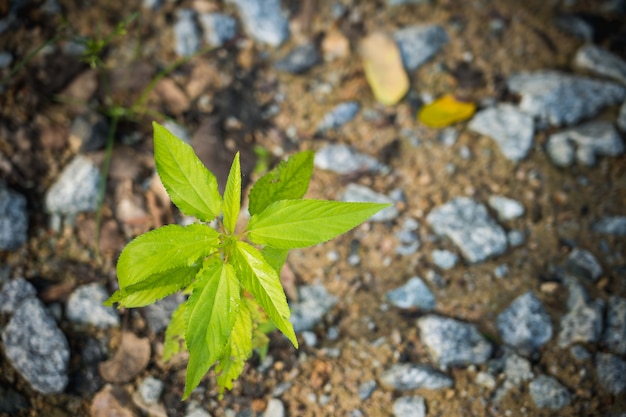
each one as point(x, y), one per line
point(494, 286)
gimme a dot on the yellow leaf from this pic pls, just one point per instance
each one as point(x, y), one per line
point(445, 111)
point(383, 68)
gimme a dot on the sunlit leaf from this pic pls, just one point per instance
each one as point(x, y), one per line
point(290, 224)
point(211, 313)
point(163, 249)
point(236, 352)
point(191, 186)
point(232, 196)
point(288, 181)
point(262, 281)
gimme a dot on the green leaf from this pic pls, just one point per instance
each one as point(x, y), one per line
point(261, 280)
point(288, 181)
point(163, 249)
point(275, 257)
point(155, 287)
point(291, 224)
point(191, 186)
point(237, 352)
point(232, 196)
point(211, 312)
point(175, 334)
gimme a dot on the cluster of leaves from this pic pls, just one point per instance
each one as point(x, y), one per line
point(233, 286)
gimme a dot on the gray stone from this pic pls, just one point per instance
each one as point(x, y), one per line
point(562, 99)
point(299, 60)
point(76, 189)
point(515, 238)
point(453, 343)
point(409, 241)
point(621, 118)
point(186, 33)
point(511, 129)
point(444, 259)
point(339, 116)
point(159, 314)
point(263, 20)
point(413, 294)
point(525, 324)
point(218, 28)
point(583, 264)
point(366, 389)
point(501, 271)
point(615, 331)
point(150, 390)
point(13, 219)
point(584, 143)
point(84, 306)
point(547, 392)
point(314, 303)
point(517, 369)
point(89, 132)
point(413, 406)
point(468, 225)
point(361, 193)
point(407, 376)
point(611, 225)
point(601, 62)
point(36, 347)
point(152, 4)
point(583, 321)
point(275, 408)
point(611, 372)
point(486, 380)
point(344, 160)
point(419, 43)
point(576, 26)
point(14, 292)
point(5, 59)
point(580, 353)
point(393, 3)
point(507, 208)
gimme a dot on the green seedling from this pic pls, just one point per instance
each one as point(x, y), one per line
point(231, 273)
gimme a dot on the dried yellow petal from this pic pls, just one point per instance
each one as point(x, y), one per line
point(445, 111)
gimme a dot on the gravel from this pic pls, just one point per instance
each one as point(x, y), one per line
point(76, 189)
point(525, 324)
point(559, 99)
point(611, 225)
point(340, 115)
point(511, 128)
point(549, 393)
point(419, 43)
point(583, 264)
point(611, 373)
point(36, 347)
point(405, 377)
point(345, 160)
point(507, 208)
point(84, 306)
point(615, 330)
point(413, 294)
point(299, 60)
point(315, 302)
point(413, 406)
point(363, 194)
point(452, 342)
point(13, 293)
point(263, 20)
point(601, 62)
point(468, 225)
point(13, 219)
point(187, 35)
point(218, 28)
point(584, 144)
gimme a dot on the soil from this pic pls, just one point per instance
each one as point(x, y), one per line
point(38, 106)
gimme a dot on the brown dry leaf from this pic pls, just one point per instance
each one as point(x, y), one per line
point(384, 69)
point(111, 401)
point(131, 358)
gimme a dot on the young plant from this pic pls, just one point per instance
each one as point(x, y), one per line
point(233, 286)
